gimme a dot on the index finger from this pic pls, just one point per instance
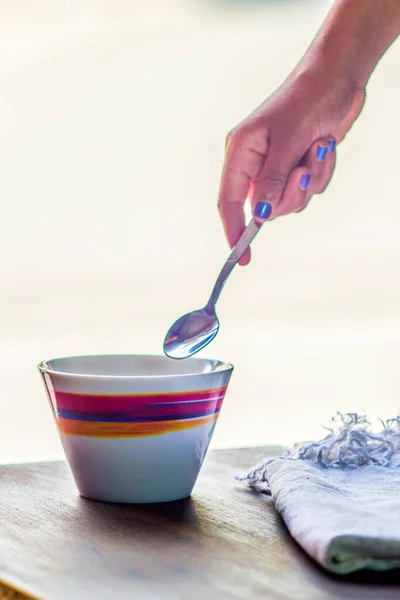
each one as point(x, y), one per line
point(241, 167)
point(235, 186)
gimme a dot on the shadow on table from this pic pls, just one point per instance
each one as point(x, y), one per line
point(374, 578)
point(180, 511)
point(181, 515)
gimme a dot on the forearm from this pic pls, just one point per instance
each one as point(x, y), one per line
point(354, 37)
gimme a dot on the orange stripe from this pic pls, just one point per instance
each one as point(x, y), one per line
point(102, 429)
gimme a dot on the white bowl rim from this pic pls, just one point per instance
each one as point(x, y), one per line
point(43, 367)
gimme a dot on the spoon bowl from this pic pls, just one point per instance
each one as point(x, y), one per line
point(190, 333)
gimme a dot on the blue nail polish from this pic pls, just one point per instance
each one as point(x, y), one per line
point(263, 210)
point(305, 180)
point(321, 152)
point(331, 145)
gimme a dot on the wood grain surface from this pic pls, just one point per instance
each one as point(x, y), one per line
point(7, 593)
point(223, 543)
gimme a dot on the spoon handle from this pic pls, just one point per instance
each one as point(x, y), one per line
point(244, 241)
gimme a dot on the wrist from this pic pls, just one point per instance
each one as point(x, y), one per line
point(334, 68)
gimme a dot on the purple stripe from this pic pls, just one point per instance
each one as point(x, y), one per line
point(119, 417)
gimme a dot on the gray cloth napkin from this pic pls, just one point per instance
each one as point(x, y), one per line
point(340, 496)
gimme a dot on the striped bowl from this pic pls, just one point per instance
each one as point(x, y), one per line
point(135, 428)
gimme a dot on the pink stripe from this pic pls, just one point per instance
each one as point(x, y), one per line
point(68, 401)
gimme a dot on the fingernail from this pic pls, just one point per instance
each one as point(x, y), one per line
point(263, 210)
point(305, 180)
point(321, 152)
point(331, 145)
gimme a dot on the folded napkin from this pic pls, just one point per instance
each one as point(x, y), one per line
point(340, 496)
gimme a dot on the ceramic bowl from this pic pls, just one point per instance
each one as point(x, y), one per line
point(135, 429)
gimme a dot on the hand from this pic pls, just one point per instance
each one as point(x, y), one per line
point(285, 152)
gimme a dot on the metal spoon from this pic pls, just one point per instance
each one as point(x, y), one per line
point(192, 332)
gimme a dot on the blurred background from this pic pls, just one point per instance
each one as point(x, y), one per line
point(112, 126)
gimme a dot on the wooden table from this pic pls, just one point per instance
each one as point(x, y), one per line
point(223, 543)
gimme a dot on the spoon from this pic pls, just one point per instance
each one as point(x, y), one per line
point(192, 332)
